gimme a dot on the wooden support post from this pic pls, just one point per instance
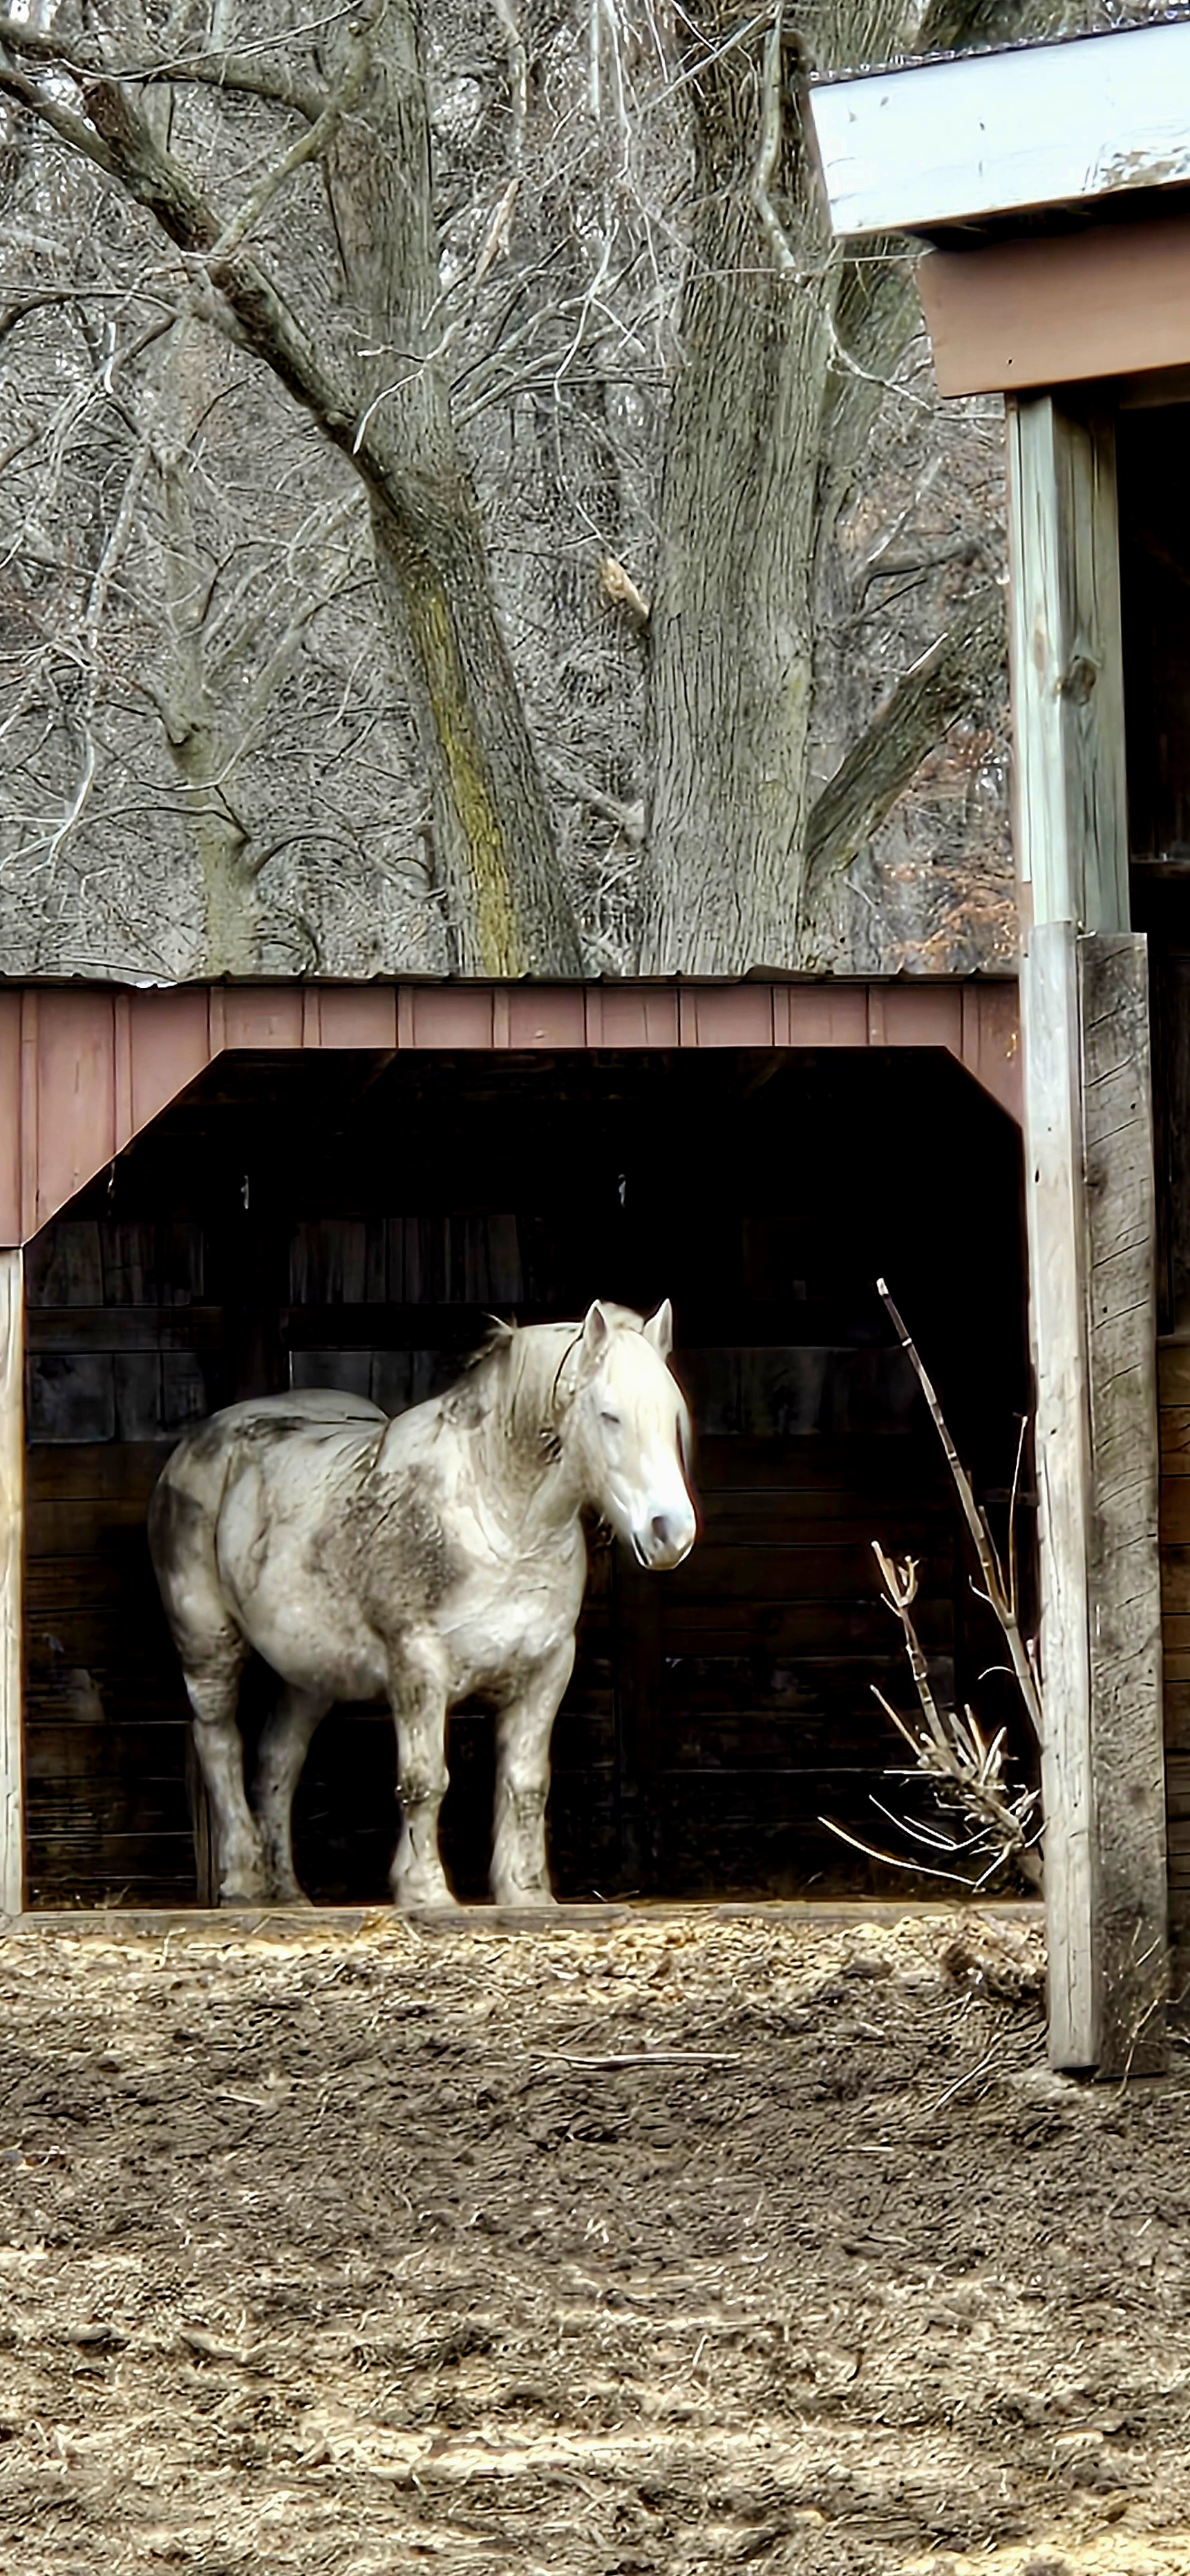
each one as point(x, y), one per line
point(1066, 662)
point(12, 1552)
point(1091, 1205)
point(1090, 1196)
point(1062, 1435)
point(1127, 1746)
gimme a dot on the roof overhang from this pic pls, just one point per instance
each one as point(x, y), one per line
point(977, 137)
point(1113, 301)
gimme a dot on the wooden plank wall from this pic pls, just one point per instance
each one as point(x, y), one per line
point(1155, 592)
point(86, 1070)
point(12, 1546)
point(1174, 1389)
point(122, 1355)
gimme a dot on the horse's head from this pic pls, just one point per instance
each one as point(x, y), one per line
point(630, 1426)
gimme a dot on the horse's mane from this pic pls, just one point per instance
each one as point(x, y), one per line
point(516, 1371)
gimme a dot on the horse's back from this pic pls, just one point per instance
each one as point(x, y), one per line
point(296, 1410)
point(277, 1431)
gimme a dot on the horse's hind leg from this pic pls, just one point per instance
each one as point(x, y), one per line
point(284, 1744)
point(213, 1687)
point(213, 1655)
point(520, 1871)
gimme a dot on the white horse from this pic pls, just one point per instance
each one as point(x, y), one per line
point(418, 1560)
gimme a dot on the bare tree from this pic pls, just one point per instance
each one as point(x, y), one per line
point(573, 404)
point(339, 308)
point(789, 349)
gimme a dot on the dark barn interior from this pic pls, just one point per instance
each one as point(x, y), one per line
point(352, 1221)
point(1155, 600)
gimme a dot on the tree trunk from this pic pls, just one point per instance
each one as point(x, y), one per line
point(231, 927)
point(785, 345)
point(200, 755)
point(731, 634)
point(496, 863)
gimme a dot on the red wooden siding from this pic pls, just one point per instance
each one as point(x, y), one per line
point(83, 1070)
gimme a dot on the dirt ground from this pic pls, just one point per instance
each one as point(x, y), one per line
point(686, 2245)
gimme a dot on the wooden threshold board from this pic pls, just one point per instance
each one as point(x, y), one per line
point(308, 1923)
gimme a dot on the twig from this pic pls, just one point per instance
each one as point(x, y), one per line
point(889, 1860)
point(980, 1528)
point(307, 147)
point(900, 1584)
point(995, 2057)
point(652, 2057)
point(951, 1753)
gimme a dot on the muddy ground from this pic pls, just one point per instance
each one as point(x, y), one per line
point(688, 2245)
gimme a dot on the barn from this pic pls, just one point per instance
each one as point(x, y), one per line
point(212, 1191)
point(1048, 187)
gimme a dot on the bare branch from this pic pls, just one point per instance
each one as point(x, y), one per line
point(308, 146)
point(889, 1860)
point(769, 153)
point(243, 70)
point(900, 1584)
point(939, 689)
point(60, 121)
point(950, 1752)
point(628, 819)
point(518, 78)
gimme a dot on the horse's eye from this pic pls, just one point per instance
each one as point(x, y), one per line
point(612, 1420)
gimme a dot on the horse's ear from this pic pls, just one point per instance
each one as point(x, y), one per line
point(597, 1333)
point(660, 1329)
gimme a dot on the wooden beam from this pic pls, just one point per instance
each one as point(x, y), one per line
point(1059, 309)
point(1057, 1312)
point(1090, 1194)
point(12, 1548)
point(1066, 665)
point(1127, 1752)
point(1092, 1226)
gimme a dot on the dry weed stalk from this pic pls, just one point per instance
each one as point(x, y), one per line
point(1001, 1593)
point(950, 1750)
point(964, 1769)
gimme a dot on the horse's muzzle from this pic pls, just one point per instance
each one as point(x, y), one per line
point(664, 1542)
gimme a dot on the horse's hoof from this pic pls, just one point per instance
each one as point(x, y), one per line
point(526, 1900)
point(424, 1896)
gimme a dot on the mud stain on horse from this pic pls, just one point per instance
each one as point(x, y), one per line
point(392, 1542)
point(176, 1524)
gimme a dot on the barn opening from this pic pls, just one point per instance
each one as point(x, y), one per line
point(1155, 601)
point(352, 1220)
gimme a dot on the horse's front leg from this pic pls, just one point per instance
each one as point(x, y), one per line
point(520, 1875)
point(417, 1688)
